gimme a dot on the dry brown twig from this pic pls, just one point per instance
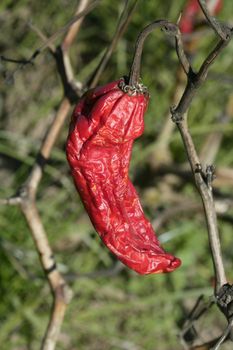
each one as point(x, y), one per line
point(81, 13)
point(203, 179)
point(186, 207)
point(120, 29)
point(213, 142)
point(26, 199)
point(160, 154)
point(26, 196)
point(179, 116)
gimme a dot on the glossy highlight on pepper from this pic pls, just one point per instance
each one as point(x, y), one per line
point(103, 127)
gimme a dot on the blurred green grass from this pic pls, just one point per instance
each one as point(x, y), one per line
point(122, 311)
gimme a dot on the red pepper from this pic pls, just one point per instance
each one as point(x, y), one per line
point(104, 125)
point(191, 12)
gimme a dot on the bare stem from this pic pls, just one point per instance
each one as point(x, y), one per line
point(52, 134)
point(61, 293)
point(224, 336)
point(219, 29)
point(134, 74)
point(120, 29)
point(53, 37)
point(179, 116)
point(26, 196)
point(182, 55)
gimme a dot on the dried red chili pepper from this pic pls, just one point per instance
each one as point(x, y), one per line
point(191, 12)
point(104, 125)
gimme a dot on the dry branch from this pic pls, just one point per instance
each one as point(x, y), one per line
point(120, 29)
point(203, 180)
point(26, 196)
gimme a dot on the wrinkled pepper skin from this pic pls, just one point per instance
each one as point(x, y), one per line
point(191, 12)
point(103, 127)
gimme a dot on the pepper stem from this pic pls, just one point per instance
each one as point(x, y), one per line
point(134, 73)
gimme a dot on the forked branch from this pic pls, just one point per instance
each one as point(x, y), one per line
point(203, 178)
point(26, 196)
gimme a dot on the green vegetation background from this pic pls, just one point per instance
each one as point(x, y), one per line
point(119, 310)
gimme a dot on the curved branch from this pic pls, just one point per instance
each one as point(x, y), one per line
point(179, 116)
point(120, 29)
point(134, 73)
point(221, 30)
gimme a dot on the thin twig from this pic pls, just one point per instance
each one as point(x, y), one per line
point(220, 30)
point(68, 40)
point(62, 30)
point(47, 145)
point(10, 201)
point(26, 198)
point(61, 293)
point(168, 27)
point(200, 307)
point(161, 152)
point(53, 37)
point(213, 142)
point(207, 199)
point(42, 36)
point(110, 272)
point(179, 116)
point(122, 25)
point(182, 55)
point(186, 208)
point(71, 35)
point(224, 336)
